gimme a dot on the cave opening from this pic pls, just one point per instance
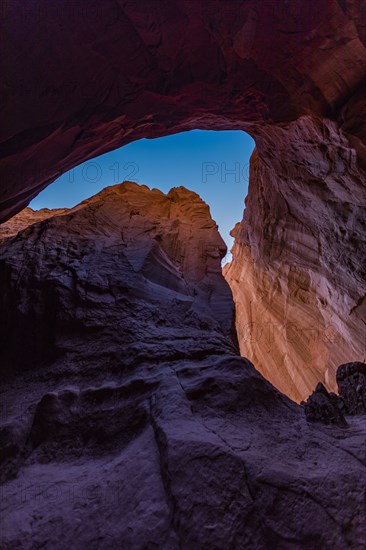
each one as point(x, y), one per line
point(214, 164)
point(285, 322)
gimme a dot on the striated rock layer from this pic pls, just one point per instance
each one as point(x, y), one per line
point(129, 419)
point(298, 269)
point(136, 268)
point(27, 217)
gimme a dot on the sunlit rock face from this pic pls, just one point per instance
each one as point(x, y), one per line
point(133, 268)
point(129, 420)
point(298, 269)
point(27, 217)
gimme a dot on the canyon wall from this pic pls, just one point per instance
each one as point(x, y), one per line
point(299, 258)
point(136, 268)
point(128, 418)
point(292, 74)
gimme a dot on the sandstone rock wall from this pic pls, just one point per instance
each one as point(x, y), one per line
point(129, 420)
point(135, 268)
point(298, 269)
point(27, 217)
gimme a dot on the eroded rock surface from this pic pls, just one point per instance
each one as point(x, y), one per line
point(135, 268)
point(141, 427)
point(325, 407)
point(292, 74)
point(298, 269)
point(27, 217)
point(129, 420)
point(351, 379)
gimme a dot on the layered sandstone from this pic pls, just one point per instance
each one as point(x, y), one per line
point(27, 217)
point(129, 420)
point(87, 271)
point(298, 269)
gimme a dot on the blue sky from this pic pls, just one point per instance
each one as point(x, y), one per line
point(213, 164)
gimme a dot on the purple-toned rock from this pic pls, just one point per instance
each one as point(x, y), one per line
point(323, 406)
point(131, 268)
point(351, 379)
point(129, 420)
